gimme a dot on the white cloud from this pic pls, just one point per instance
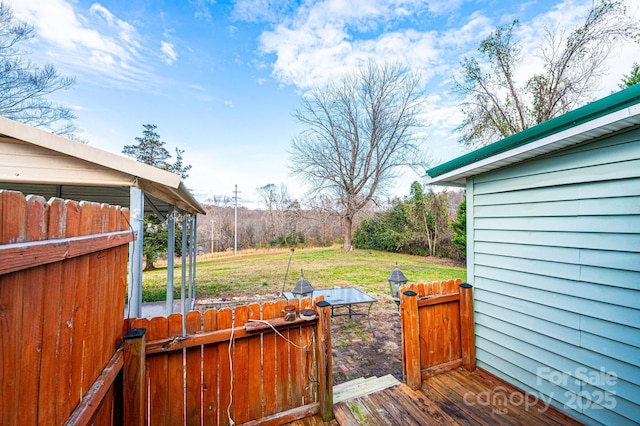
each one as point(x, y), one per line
point(169, 52)
point(322, 40)
point(202, 8)
point(257, 10)
point(92, 41)
point(476, 27)
point(326, 39)
point(440, 7)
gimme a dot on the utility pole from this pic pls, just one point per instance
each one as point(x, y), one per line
point(235, 226)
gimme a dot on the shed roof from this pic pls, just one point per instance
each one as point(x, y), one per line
point(611, 114)
point(38, 162)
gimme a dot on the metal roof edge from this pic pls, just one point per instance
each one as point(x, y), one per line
point(607, 105)
point(121, 163)
point(188, 196)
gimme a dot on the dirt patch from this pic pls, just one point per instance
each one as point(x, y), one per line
point(362, 347)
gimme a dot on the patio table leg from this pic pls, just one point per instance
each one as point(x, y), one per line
point(369, 319)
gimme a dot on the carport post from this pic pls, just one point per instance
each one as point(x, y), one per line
point(170, 257)
point(135, 252)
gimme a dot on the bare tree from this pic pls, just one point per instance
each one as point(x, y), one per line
point(496, 106)
point(280, 208)
point(24, 86)
point(358, 135)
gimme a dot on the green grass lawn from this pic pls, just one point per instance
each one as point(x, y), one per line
point(252, 272)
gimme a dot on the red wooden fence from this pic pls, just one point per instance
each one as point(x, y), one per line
point(230, 367)
point(63, 270)
point(437, 329)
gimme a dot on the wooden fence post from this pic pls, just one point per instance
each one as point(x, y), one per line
point(134, 368)
point(410, 339)
point(325, 361)
point(467, 334)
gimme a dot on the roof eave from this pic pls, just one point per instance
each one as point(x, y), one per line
point(126, 171)
point(608, 115)
point(85, 152)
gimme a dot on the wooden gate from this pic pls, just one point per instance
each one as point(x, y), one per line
point(247, 366)
point(437, 329)
point(63, 269)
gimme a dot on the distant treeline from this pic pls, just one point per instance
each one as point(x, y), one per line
point(419, 224)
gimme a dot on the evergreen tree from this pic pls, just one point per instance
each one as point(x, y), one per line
point(151, 150)
point(177, 167)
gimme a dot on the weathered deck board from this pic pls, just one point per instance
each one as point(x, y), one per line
point(362, 386)
point(396, 405)
point(313, 421)
point(456, 397)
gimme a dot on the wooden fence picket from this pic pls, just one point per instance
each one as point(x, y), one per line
point(193, 371)
point(241, 369)
point(224, 348)
point(269, 357)
point(210, 392)
point(308, 388)
point(282, 366)
point(158, 372)
point(174, 410)
point(295, 369)
point(254, 395)
point(35, 375)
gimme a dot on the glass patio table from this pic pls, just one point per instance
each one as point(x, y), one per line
point(344, 298)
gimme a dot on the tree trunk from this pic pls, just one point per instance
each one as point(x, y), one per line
point(348, 224)
point(149, 266)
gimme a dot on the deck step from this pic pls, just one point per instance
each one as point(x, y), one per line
point(346, 385)
point(360, 381)
point(362, 386)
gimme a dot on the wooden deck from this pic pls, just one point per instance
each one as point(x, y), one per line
point(455, 397)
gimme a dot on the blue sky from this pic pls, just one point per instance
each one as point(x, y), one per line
point(221, 79)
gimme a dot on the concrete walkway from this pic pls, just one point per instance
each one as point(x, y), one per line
point(155, 309)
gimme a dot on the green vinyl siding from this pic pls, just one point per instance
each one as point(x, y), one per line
point(589, 191)
point(603, 206)
point(592, 240)
point(554, 255)
point(608, 172)
point(618, 148)
point(524, 278)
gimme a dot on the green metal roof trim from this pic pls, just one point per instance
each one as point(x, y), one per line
point(596, 109)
